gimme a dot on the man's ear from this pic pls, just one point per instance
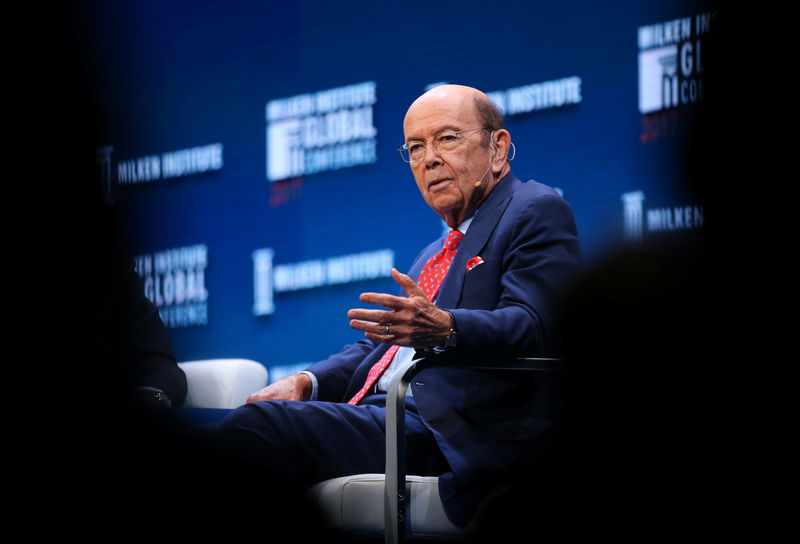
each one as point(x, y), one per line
point(501, 141)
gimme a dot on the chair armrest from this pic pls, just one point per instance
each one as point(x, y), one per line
point(222, 383)
point(395, 499)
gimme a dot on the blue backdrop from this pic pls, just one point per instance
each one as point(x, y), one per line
point(249, 148)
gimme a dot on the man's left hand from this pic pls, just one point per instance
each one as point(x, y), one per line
point(412, 321)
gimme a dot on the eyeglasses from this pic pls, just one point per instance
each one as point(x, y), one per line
point(446, 140)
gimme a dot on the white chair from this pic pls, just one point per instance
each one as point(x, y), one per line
point(222, 383)
point(395, 505)
point(355, 505)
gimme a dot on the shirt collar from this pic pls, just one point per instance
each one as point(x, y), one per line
point(465, 224)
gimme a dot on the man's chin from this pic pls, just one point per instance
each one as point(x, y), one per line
point(449, 215)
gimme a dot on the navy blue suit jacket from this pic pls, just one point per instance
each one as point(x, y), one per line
point(485, 423)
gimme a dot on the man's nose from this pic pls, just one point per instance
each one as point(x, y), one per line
point(432, 158)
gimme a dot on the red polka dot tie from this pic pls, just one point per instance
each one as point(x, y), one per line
point(430, 279)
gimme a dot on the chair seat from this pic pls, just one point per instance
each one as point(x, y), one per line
point(355, 504)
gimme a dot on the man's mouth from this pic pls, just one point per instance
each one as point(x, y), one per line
point(437, 183)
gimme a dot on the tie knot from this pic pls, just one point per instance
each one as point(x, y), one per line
point(454, 238)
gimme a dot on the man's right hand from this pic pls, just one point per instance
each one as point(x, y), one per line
point(294, 387)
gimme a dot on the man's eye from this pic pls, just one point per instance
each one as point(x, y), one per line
point(448, 140)
point(415, 147)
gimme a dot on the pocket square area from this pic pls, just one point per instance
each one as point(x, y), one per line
point(473, 262)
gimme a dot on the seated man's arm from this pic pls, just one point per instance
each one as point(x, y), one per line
point(333, 375)
point(542, 254)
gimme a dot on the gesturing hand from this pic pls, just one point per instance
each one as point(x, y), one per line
point(411, 321)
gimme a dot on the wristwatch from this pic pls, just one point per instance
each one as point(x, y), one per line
point(451, 340)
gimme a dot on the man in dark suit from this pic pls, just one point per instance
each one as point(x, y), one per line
point(514, 244)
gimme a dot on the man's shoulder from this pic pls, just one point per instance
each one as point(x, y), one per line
point(533, 202)
point(535, 195)
point(535, 189)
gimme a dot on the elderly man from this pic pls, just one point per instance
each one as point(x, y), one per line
point(487, 288)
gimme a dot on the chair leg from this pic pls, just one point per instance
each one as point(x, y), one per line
point(395, 499)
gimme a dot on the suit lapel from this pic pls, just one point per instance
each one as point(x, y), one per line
point(486, 218)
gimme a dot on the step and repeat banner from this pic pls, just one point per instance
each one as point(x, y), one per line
point(249, 149)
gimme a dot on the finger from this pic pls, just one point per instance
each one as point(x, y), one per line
point(383, 299)
point(407, 283)
point(369, 327)
point(388, 339)
point(376, 316)
point(255, 397)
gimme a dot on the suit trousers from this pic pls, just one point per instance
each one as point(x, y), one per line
point(301, 443)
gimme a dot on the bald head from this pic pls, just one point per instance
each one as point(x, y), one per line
point(486, 112)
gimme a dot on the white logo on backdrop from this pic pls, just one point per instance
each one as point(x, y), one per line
point(663, 219)
point(671, 62)
point(269, 279)
point(316, 132)
point(174, 280)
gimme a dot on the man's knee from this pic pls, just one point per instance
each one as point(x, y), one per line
point(249, 426)
point(249, 440)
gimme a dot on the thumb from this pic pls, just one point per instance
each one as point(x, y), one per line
point(407, 283)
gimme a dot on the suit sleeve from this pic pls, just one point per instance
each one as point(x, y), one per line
point(132, 344)
point(334, 373)
point(542, 251)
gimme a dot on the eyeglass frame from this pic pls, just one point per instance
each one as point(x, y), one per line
point(432, 139)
